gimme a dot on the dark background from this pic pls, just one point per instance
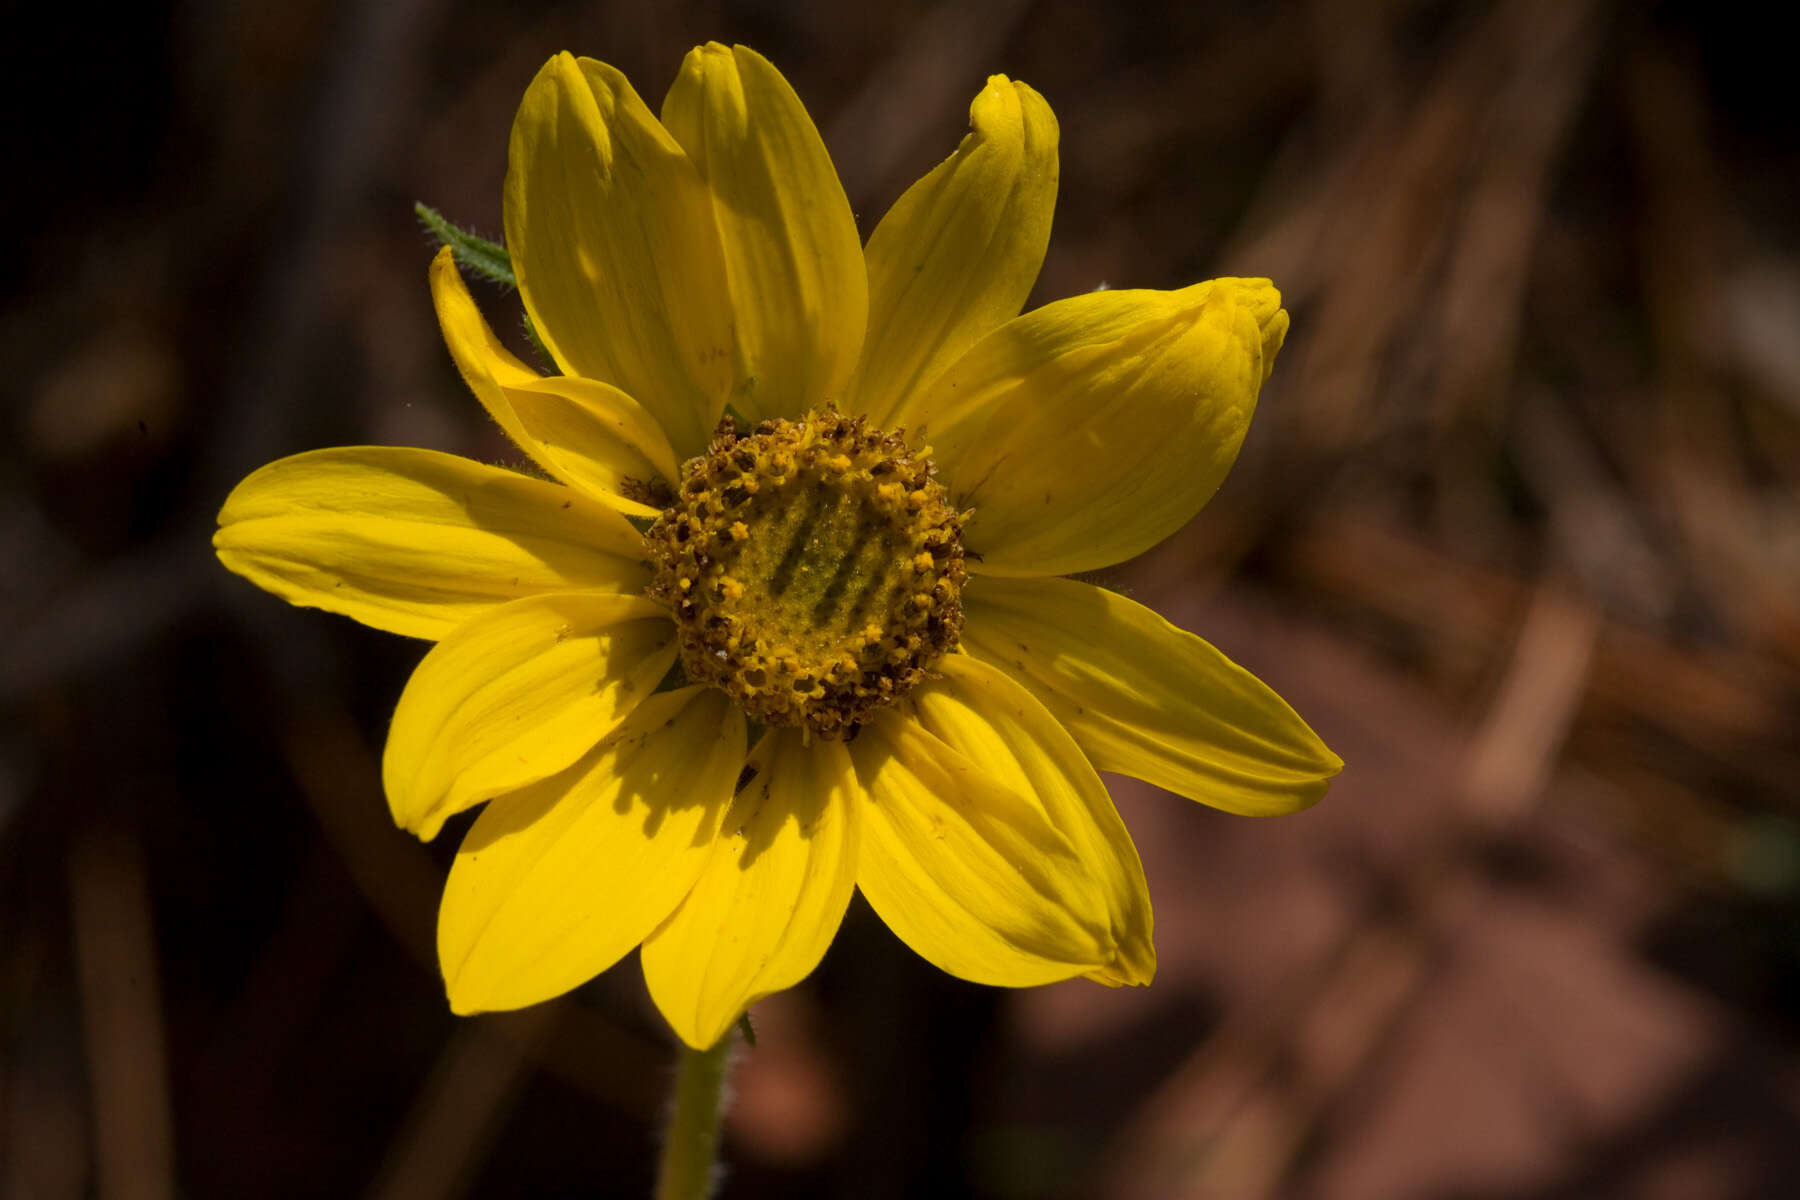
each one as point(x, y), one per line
point(1516, 528)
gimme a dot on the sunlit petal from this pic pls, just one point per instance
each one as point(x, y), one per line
point(793, 261)
point(586, 433)
point(515, 696)
point(417, 542)
point(484, 362)
point(956, 256)
point(596, 437)
point(615, 248)
point(1088, 430)
point(772, 894)
point(995, 723)
point(1144, 698)
point(553, 884)
point(989, 846)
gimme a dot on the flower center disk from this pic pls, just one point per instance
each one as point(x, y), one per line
point(814, 568)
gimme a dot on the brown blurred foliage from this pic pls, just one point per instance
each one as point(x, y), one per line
point(1517, 529)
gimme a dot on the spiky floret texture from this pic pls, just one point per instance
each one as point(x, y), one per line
point(814, 569)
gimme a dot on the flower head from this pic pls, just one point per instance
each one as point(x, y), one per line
point(857, 477)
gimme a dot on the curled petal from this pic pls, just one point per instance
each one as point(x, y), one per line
point(958, 253)
point(1088, 430)
point(596, 437)
point(587, 433)
point(484, 362)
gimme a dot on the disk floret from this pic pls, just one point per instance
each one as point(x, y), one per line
point(814, 568)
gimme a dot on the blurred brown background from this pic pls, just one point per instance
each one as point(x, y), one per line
point(1517, 529)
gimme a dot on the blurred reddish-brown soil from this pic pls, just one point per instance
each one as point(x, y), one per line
point(1517, 529)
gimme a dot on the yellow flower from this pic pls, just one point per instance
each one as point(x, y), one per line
point(884, 611)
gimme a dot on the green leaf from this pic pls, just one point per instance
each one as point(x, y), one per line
point(487, 259)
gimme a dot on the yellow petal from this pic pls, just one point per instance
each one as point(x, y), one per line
point(517, 695)
point(958, 253)
point(793, 260)
point(612, 239)
point(555, 883)
point(485, 363)
point(417, 542)
point(772, 895)
point(995, 723)
point(596, 437)
point(586, 433)
point(966, 860)
point(1146, 699)
point(1090, 429)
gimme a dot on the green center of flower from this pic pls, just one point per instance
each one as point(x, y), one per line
point(814, 567)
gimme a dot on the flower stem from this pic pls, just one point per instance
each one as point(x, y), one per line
point(691, 1142)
